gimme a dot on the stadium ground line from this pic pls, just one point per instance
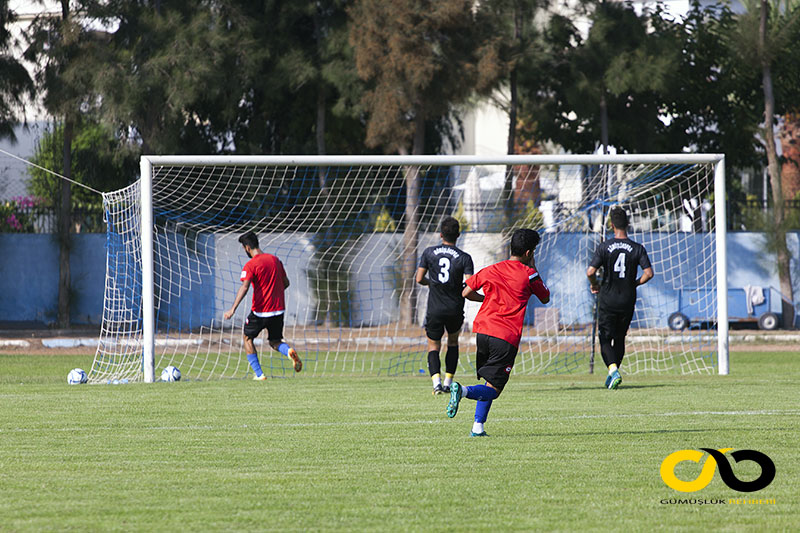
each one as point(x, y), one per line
point(399, 422)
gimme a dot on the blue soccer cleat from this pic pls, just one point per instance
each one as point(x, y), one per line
point(456, 392)
point(616, 379)
point(481, 434)
point(608, 381)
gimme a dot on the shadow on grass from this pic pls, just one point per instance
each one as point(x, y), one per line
point(622, 387)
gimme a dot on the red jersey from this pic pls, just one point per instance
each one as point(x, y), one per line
point(507, 286)
point(266, 273)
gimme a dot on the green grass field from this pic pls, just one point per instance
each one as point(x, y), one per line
point(379, 454)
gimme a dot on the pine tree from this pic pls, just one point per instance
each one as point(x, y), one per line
point(16, 81)
point(419, 58)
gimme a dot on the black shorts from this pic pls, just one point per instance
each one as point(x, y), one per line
point(613, 324)
point(494, 360)
point(273, 324)
point(436, 324)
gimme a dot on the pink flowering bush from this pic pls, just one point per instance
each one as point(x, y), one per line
point(17, 214)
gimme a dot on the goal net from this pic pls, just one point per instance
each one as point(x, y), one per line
point(350, 230)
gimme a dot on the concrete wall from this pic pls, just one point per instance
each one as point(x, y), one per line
point(29, 275)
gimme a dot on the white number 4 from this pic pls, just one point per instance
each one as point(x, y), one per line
point(619, 265)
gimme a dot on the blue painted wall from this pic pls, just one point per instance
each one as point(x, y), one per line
point(29, 276)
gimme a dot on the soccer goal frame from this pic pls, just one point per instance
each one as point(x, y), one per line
point(147, 164)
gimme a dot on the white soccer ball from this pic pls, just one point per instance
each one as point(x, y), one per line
point(170, 373)
point(76, 376)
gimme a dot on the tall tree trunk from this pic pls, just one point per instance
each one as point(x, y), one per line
point(64, 224)
point(408, 300)
point(321, 99)
point(773, 166)
point(604, 122)
point(508, 186)
point(322, 171)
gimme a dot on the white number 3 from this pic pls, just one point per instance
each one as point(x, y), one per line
point(444, 271)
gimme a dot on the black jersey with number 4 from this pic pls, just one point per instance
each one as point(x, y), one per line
point(620, 259)
point(447, 266)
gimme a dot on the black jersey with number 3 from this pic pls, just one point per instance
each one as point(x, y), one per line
point(447, 266)
point(620, 259)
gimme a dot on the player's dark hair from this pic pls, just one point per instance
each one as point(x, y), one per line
point(523, 240)
point(619, 218)
point(450, 229)
point(249, 239)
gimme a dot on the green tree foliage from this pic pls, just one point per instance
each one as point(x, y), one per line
point(250, 77)
point(67, 55)
point(15, 80)
point(712, 102)
point(98, 161)
point(167, 67)
point(606, 86)
point(303, 95)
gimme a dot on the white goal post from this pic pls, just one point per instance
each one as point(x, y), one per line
point(349, 230)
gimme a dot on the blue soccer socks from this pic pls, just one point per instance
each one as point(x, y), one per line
point(481, 393)
point(284, 349)
point(482, 411)
point(252, 358)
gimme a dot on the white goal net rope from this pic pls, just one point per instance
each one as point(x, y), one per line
point(350, 239)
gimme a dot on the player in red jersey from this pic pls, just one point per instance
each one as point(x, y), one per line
point(506, 286)
point(265, 272)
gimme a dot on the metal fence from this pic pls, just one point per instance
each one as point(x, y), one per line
point(31, 215)
point(756, 215)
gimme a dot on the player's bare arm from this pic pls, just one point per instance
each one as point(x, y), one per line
point(420, 276)
point(239, 297)
point(471, 295)
point(591, 273)
point(647, 275)
point(286, 282)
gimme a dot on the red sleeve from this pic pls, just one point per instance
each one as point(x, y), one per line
point(247, 272)
point(283, 270)
point(538, 287)
point(474, 282)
